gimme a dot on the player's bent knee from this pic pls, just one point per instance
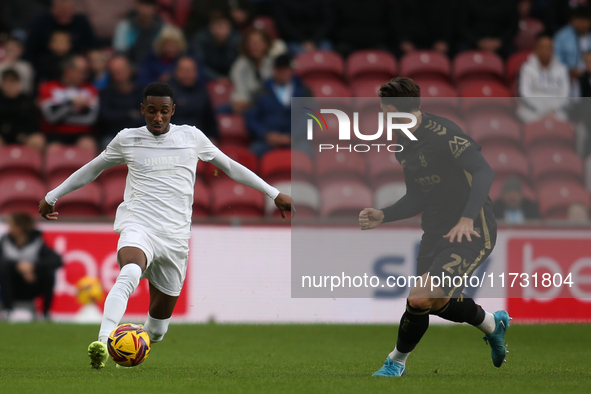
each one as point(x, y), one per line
point(421, 303)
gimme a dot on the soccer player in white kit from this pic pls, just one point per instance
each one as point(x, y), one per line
point(154, 220)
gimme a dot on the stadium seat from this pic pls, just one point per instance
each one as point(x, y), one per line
point(62, 161)
point(513, 66)
point(548, 131)
point(366, 94)
point(319, 65)
point(232, 129)
point(477, 66)
point(232, 199)
point(266, 24)
point(337, 166)
point(497, 188)
point(529, 28)
point(201, 200)
point(555, 163)
point(345, 200)
point(588, 173)
point(388, 194)
point(306, 195)
point(425, 65)
point(486, 95)
point(237, 153)
point(220, 92)
point(19, 159)
point(86, 201)
point(383, 168)
point(555, 198)
point(494, 128)
point(113, 188)
point(332, 94)
point(370, 64)
point(21, 193)
point(437, 96)
point(285, 164)
point(506, 161)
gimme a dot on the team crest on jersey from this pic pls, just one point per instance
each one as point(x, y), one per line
point(179, 139)
point(137, 141)
point(458, 145)
point(403, 163)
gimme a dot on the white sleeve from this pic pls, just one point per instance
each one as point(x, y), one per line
point(206, 150)
point(81, 177)
point(113, 152)
point(243, 175)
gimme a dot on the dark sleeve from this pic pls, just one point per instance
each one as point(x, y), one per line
point(49, 258)
point(411, 204)
point(482, 179)
point(254, 120)
point(530, 210)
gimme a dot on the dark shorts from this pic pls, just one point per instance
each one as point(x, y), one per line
point(445, 260)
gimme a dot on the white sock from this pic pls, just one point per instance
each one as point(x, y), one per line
point(488, 325)
point(156, 328)
point(116, 302)
point(398, 357)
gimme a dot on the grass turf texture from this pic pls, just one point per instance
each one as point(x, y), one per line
point(51, 358)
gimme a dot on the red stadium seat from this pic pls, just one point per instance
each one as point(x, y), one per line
point(337, 166)
point(485, 95)
point(18, 159)
point(345, 200)
point(285, 164)
point(383, 168)
point(326, 89)
point(306, 196)
point(494, 128)
point(201, 200)
point(267, 25)
point(86, 201)
point(366, 94)
point(114, 188)
point(507, 161)
point(548, 131)
point(430, 65)
point(237, 153)
point(315, 65)
point(220, 92)
point(438, 96)
point(372, 65)
point(555, 163)
point(388, 194)
point(478, 66)
point(513, 66)
point(175, 12)
point(21, 193)
point(232, 129)
point(555, 198)
point(497, 188)
point(62, 161)
point(529, 28)
point(230, 199)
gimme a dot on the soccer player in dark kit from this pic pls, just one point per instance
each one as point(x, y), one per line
point(448, 180)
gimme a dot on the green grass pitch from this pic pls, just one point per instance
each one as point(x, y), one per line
point(51, 358)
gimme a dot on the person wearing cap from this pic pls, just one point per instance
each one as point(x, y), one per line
point(269, 120)
point(512, 206)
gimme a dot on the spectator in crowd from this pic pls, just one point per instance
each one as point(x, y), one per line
point(98, 59)
point(119, 101)
point(577, 213)
point(135, 35)
point(159, 65)
point(104, 15)
point(543, 83)
point(217, 46)
point(582, 113)
point(303, 24)
point(572, 41)
point(240, 12)
point(250, 69)
point(269, 121)
point(27, 264)
point(70, 106)
point(13, 50)
point(425, 24)
point(62, 16)
point(488, 25)
point(17, 16)
point(361, 24)
point(60, 48)
point(191, 99)
point(18, 116)
point(513, 207)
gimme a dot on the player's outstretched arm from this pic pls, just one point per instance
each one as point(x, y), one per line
point(370, 218)
point(243, 175)
point(81, 177)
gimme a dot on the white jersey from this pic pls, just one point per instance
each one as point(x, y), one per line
point(161, 177)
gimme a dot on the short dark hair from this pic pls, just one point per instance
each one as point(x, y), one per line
point(282, 61)
point(543, 34)
point(24, 221)
point(158, 89)
point(581, 12)
point(403, 93)
point(148, 2)
point(10, 73)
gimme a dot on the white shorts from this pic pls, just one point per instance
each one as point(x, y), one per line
point(166, 258)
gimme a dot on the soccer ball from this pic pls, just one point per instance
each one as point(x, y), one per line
point(129, 345)
point(90, 291)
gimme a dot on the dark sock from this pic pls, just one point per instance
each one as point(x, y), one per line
point(413, 324)
point(461, 310)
